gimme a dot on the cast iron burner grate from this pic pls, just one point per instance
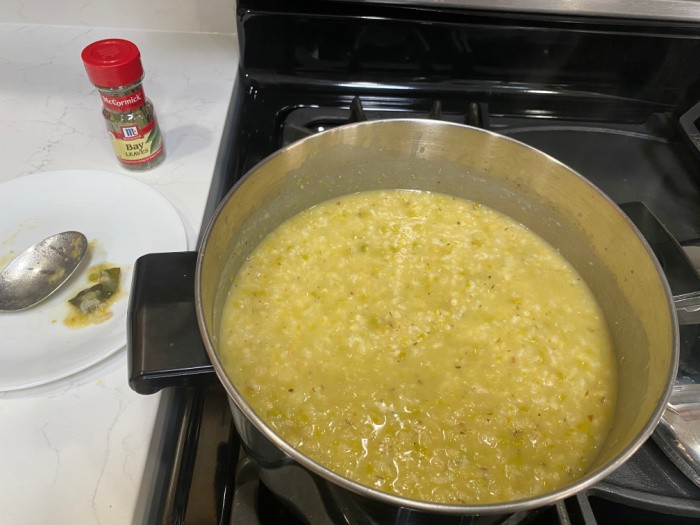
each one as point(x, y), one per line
point(307, 121)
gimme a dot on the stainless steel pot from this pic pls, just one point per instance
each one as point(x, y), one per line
point(543, 194)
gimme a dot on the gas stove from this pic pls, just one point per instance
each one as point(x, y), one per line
point(612, 97)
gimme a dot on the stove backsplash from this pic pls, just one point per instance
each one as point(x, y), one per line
point(546, 57)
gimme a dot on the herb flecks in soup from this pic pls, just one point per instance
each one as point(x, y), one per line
point(423, 345)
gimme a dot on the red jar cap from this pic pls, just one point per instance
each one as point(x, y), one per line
point(112, 63)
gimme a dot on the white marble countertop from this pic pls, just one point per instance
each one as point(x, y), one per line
point(74, 451)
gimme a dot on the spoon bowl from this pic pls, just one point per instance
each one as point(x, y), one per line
point(40, 270)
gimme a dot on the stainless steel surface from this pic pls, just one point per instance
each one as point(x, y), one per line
point(678, 433)
point(688, 309)
point(40, 270)
point(533, 188)
point(688, 10)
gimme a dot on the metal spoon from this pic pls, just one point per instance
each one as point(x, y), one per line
point(40, 270)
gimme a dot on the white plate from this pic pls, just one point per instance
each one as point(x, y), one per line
point(122, 218)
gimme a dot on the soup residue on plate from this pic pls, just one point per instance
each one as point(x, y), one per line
point(423, 345)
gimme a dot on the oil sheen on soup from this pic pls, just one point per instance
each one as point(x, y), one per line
point(422, 345)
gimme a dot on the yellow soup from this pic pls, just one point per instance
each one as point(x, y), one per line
point(423, 345)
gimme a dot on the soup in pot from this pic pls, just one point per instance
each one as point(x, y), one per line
point(422, 345)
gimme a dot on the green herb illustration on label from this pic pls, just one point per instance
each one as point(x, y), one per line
point(134, 144)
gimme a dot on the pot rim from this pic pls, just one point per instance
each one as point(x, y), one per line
point(507, 507)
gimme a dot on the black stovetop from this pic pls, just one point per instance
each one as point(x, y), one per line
point(603, 96)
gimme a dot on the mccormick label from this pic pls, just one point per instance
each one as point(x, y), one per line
point(124, 103)
point(134, 145)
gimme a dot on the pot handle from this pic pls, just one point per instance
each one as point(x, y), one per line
point(164, 345)
point(677, 433)
point(687, 308)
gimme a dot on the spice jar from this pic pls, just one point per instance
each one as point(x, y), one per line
point(114, 67)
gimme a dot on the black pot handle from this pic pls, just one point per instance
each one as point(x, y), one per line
point(164, 345)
